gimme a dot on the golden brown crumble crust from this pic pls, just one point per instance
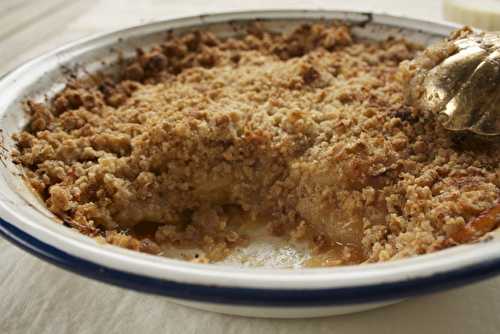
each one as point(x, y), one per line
point(306, 132)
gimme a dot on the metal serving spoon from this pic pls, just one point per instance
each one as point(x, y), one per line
point(461, 82)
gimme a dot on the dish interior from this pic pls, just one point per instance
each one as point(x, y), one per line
point(314, 79)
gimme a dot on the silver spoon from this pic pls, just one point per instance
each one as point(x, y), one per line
point(459, 80)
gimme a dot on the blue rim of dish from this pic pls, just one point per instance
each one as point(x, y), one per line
point(249, 296)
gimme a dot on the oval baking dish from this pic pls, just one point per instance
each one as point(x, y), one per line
point(26, 222)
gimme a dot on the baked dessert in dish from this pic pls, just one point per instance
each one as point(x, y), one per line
point(201, 139)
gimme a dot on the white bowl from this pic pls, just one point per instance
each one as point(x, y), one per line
point(234, 290)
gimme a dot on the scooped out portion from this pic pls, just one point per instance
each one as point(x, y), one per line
point(203, 139)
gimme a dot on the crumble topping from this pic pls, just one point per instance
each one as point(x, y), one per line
point(307, 133)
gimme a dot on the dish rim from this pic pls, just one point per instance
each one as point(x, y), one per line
point(255, 286)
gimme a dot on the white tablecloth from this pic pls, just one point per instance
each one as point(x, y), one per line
point(36, 297)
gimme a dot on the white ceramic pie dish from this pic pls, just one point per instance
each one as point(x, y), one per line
point(227, 289)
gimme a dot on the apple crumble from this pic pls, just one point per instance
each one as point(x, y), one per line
point(201, 138)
